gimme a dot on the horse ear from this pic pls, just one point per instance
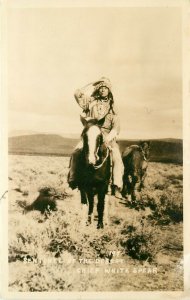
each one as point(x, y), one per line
point(83, 120)
point(101, 122)
point(143, 143)
point(148, 142)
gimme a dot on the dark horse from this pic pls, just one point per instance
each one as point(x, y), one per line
point(135, 159)
point(94, 168)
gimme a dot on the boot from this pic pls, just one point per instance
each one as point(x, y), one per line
point(117, 192)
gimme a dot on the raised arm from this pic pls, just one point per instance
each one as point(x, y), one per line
point(83, 97)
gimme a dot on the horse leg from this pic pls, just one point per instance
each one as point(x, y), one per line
point(91, 206)
point(106, 209)
point(100, 206)
point(144, 175)
point(84, 208)
point(136, 188)
point(124, 189)
point(133, 195)
point(83, 197)
point(129, 187)
point(132, 189)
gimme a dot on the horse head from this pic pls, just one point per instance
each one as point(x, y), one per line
point(145, 147)
point(92, 139)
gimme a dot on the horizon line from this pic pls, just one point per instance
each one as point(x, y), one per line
point(77, 136)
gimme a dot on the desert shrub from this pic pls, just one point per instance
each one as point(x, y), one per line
point(151, 202)
point(26, 244)
point(175, 212)
point(168, 208)
point(161, 184)
point(116, 220)
point(175, 176)
point(45, 199)
point(141, 240)
point(62, 235)
point(66, 243)
point(101, 245)
point(174, 241)
point(175, 179)
point(50, 277)
point(32, 240)
point(53, 189)
point(150, 198)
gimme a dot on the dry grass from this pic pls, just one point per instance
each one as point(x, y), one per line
point(140, 249)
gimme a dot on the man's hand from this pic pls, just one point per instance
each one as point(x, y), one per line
point(112, 135)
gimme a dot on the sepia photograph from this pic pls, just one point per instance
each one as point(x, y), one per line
point(95, 154)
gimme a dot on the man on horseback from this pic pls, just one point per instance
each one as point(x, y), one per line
point(98, 105)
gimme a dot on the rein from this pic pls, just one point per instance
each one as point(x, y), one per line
point(143, 154)
point(105, 158)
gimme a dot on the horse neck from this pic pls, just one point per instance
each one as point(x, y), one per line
point(103, 150)
point(137, 159)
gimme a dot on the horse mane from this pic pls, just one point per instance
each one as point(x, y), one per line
point(102, 151)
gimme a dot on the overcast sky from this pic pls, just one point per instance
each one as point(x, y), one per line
point(54, 51)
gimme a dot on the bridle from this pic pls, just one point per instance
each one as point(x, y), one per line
point(96, 167)
point(102, 163)
point(143, 153)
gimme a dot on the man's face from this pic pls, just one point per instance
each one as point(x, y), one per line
point(103, 91)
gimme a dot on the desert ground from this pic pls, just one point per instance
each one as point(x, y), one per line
point(139, 249)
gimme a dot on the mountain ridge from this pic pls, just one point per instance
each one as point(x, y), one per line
point(165, 150)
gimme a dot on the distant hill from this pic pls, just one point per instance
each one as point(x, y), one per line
point(42, 144)
point(162, 150)
point(22, 132)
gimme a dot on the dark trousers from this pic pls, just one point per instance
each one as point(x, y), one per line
point(74, 166)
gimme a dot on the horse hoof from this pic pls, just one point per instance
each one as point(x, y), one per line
point(89, 221)
point(100, 225)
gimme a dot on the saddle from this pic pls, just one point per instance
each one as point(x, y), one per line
point(129, 149)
